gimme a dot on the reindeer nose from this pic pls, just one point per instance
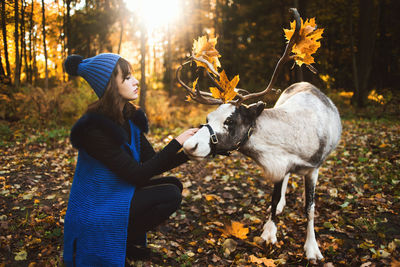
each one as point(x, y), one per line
point(193, 149)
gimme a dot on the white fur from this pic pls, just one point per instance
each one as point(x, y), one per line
point(286, 138)
point(311, 246)
point(202, 138)
point(269, 234)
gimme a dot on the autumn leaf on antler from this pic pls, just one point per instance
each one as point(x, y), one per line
point(229, 92)
point(307, 42)
point(189, 98)
point(205, 49)
point(236, 229)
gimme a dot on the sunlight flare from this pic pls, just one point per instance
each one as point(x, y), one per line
point(155, 13)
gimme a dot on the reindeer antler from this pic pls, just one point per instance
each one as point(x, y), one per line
point(206, 98)
point(197, 95)
point(285, 57)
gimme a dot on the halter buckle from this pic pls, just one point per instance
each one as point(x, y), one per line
point(214, 138)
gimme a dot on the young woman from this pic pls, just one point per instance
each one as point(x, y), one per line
point(115, 198)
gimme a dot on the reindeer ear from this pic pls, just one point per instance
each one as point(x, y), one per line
point(252, 111)
point(255, 109)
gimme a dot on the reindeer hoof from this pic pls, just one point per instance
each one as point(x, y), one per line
point(312, 251)
point(269, 234)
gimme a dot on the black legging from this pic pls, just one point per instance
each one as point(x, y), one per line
point(150, 206)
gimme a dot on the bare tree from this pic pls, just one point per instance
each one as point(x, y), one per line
point(30, 66)
point(46, 81)
point(121, 21)
point(3, 27)
point(23, 42)
point(143, 87)
point(17, 73)
point(362, 59)
point(168, 66)
point(68, 25)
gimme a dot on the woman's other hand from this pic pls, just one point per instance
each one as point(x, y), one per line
point(186, 135)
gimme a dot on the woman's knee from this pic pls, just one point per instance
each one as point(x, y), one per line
point(173, 180)
point(175, 194)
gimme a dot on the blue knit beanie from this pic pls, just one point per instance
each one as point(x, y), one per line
point(95, 70)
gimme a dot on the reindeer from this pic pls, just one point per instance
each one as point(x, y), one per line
point(295, 136)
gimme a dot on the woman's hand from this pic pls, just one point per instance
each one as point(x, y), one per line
point(186, 135)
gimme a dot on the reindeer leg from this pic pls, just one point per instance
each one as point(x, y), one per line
point(282, 201)
point(269, 234)
point(311, 246)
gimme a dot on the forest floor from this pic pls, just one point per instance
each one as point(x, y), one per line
point(224, 207)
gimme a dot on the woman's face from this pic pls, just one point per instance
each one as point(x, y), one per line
point(127, 86)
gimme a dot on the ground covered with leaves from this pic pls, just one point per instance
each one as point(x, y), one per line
point(224, 207)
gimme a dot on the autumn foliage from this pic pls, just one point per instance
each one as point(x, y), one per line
point(204, 49)
point(307, 42)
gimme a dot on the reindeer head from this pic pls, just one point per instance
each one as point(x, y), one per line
point(230, 125)
point(227, 128)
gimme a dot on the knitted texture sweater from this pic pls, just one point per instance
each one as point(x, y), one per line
point(96, 221)
point(108, 170)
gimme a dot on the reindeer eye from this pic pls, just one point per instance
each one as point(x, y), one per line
point(229, 122)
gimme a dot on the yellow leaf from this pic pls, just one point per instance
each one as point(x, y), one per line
point(195, 84)
point(205, 48)
point(236, 229)
point(19, 96)
point(307, 42)
point(5, 98)
point(210, 197)
point(21, 256)
point(210, 241)
point(229, 92)
point(265, 261)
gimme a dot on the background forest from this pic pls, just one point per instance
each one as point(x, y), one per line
point(358, 55)
point(358, 63)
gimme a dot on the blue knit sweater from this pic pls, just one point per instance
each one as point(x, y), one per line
point(96, 222)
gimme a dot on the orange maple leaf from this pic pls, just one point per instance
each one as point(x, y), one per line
point(265, 261)
point(236, 229)
point(307, 42)
point(205, 48)
point(229, 92)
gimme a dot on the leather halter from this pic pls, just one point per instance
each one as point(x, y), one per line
point(225, 152)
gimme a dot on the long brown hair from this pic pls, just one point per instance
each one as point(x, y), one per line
point(112, 104)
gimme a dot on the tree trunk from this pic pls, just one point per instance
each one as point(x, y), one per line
point(143, 87)
point(30, 71)
point(365, 50)
point(2, 72)
point(34, 64)
point(68, 26)
point(23, 42)
point(3, 27)
point(199, 18)
point(120, 35)
point(46, 81)
point(88, 37)
point(17, 74)
point(168, 66)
